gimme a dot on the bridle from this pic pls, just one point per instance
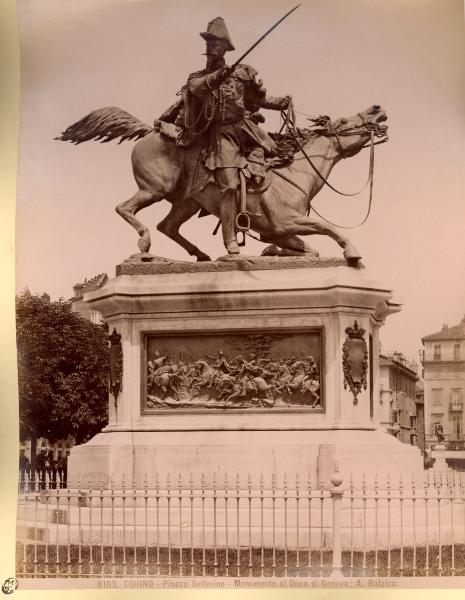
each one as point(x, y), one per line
point(364, 127)
point(326, 127)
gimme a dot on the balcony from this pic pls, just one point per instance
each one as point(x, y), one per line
point(441, 357)
point(455, 441)
point(456, 406)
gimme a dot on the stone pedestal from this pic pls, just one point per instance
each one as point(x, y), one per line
point(305, 307)
point(439, 455)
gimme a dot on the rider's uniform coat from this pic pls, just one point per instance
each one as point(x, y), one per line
point(224, 109)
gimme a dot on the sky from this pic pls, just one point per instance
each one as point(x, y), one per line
point(334, 57)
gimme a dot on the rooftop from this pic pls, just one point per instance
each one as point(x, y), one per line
point(447, 333)
point(398, 360)
point(89, 285)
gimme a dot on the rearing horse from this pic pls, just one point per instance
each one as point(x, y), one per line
point(279, 214)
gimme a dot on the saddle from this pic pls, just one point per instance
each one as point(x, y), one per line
point(257, 172)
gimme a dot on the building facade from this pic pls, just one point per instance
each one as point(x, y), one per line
point(401, 408)
point(420, 405)
point(443, 360)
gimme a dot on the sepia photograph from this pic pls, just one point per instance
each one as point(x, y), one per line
point(240, 295)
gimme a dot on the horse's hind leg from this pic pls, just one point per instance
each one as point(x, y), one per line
point(129, 208)
point(288, 246)
point(181, 211)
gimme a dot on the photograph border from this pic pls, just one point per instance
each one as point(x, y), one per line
point(9, 102)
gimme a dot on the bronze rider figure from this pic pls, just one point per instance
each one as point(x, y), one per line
point(219, 105)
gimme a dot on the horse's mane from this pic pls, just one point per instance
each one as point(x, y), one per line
point(104, 125)
point(287, 145)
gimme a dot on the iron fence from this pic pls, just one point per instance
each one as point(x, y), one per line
point(234, 527)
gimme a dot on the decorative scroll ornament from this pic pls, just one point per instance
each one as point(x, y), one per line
point(355, 360)
point(116, 364)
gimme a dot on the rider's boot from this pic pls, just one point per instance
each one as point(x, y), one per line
point(228, 212)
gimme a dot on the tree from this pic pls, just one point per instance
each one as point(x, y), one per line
point(62, 371)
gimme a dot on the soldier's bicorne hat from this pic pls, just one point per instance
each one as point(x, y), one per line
point(217, 29)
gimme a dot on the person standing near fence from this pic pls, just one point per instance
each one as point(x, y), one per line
point(61, 470)
point(24, 470)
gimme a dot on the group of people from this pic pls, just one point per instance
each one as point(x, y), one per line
point(49, 472)
point(258, 374)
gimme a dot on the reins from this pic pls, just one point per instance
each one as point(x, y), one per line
point(289, 124)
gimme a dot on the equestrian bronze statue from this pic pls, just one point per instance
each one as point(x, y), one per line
point(207, 154)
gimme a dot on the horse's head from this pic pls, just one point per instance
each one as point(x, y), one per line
point(351, 134)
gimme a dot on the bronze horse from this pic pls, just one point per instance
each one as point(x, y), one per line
point(278, 215)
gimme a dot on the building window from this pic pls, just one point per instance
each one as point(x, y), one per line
point(456, 351)
point(437, 394)
point(437, 351)
point(456, 397)
point(457, 428)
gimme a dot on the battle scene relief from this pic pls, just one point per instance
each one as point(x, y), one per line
point(234, 371)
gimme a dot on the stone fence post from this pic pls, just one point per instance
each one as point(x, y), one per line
point(336, 496)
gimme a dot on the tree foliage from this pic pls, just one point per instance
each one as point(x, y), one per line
point(62, 370)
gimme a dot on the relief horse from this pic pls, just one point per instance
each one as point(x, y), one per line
point(279, 214)
point(255, 385)
point(208, 377)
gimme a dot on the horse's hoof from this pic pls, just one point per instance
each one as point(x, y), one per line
point(144, 244)
point(272, 250)
point(203, 258)
point(352, 256)
point(351, 253)
point(232, 247)
point(311, 252)
point(353, 262)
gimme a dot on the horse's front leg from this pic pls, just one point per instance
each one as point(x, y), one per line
point(301, 225)
point(129, 208)
point(181, 211)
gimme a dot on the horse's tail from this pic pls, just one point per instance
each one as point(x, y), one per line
point(104, 125)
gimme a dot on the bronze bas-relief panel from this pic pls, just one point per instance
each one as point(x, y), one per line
point(233, 371)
